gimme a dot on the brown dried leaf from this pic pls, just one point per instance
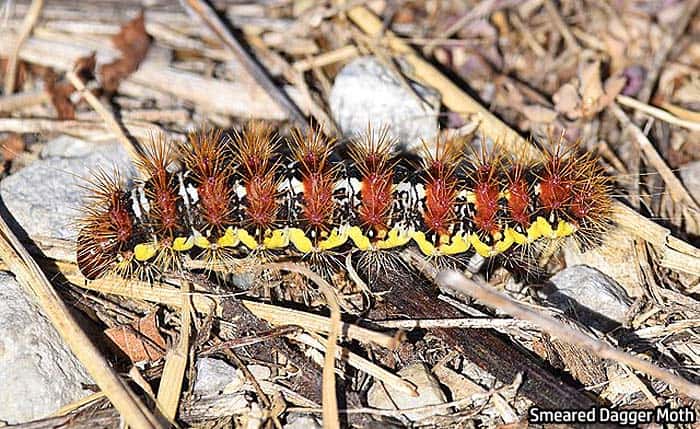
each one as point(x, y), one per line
point(11, 146)
point(22, 72)
point(537, 113)
point(61, 92)
point(567, 101)
point(140, 341)
point(60, 98)
point(591, 87)
point(613, 87)
point(133, 42)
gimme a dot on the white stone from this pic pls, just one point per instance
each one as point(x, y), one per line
point(45, 197)
point(39, 373)
point(365, 92)
point(302, 421)
point(66, 146)
point(429, 393)
point(596, 299)
point(215, 376)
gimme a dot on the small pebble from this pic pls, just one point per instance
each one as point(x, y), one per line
point(429, 393)
point(367, 93)
point(596, 299)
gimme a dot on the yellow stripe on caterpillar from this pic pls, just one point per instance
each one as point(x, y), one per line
point(361, 241)
point(481, 248)
point(424, 245)
point(229, 239)
point(458, 244)
point(144, 251)
point(335, 239)
point(515, 236)
point(201, 241)
point(248, 240)
point(183, 244)
point(278, 238)
point(300, 241)
point(396, 237)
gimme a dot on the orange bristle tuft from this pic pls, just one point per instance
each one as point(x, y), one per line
point(372, 155)
point(519, 188)
point(106, 227)
point(556, 181)
point(253, 154)
point(441, 185)
point(312, 151)
point(486, 188)
point(206, 157)
point(161, 188)
point(590, 206)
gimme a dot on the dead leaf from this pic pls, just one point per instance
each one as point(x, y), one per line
point(613, 87)
point(567, 101)
point(133, 42)
point(140, 341)
point(538, 113)
point(60, 96)
point(11, 146)
point(22, 72)
point(591, 88)
point(61, 92)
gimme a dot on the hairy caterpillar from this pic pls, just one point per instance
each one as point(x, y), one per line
point(220, 198)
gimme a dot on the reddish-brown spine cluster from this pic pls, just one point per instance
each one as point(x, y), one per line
point(253, 154)
point(206, 157)
point(106, 227)
point(441, 185)
point(486, 187)
point(372, 155)
point(162, 189)
point(312, 151)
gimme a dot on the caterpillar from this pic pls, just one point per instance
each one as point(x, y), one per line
point(221, 198)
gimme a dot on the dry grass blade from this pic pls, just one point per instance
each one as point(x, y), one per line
point(112, 123)
point(170, 386)
point(277, 315)
point(456, 281)
point(675, 187)
point(657, 113)
point(32, 278)
point(211, 19)
point(330, 403)
point(27, 24)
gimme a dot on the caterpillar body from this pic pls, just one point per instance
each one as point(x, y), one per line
point(221, 198)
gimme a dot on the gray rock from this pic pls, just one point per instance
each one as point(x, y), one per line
point(66, 146)
point(302, 421)
point(595, 298)
point(429, 393)
point(365, 92)
point(39, 374)
point(45, 196)
point(214, 375)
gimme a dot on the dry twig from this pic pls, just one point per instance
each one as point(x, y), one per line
point(494, 299)
point(27, 24)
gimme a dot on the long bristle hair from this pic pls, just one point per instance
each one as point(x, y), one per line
point(254, 152)
point(372, 154)
point(311, 150)
point(441, 184)
point(206, 157)
point(106, 226)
